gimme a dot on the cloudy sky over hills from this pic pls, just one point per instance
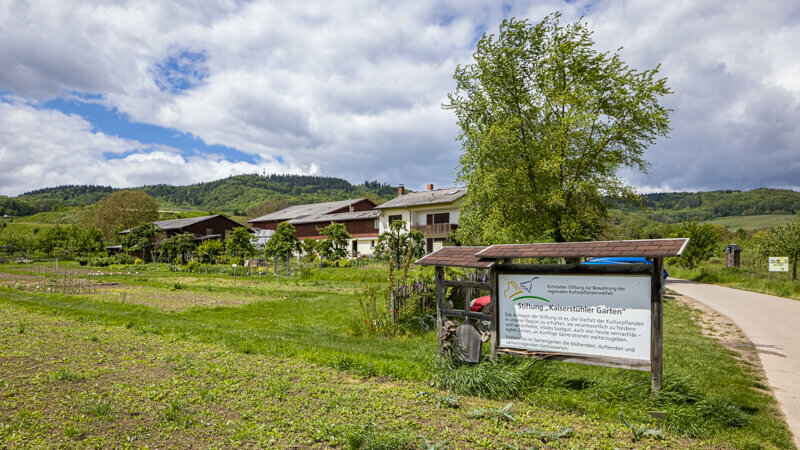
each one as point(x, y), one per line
point(126, 93)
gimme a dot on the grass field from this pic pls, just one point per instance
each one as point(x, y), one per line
point(734, 223)
point(775, 283)
point(177, 360)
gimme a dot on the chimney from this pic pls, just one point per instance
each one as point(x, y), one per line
point(350, 205)
point(401, 190)
point(430, 187)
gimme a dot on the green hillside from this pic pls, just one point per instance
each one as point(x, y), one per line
point(705, 206)
point(233, 195)
point(734, 223)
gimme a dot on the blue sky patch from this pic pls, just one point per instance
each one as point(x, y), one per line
point(113, 123)
point(181, 71)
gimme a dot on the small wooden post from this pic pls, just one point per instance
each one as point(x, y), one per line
point(657, 324)
point(494, 300)
point(393, 301)
point(440, 290)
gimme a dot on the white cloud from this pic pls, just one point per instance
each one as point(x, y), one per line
point(44, 147)
point(354, 89)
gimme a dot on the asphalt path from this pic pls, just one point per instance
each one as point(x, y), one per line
point(772, 324)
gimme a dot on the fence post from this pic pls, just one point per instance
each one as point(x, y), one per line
point(393, 301)
point(439, 276)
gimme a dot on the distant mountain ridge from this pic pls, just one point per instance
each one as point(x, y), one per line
point(234, 195)
point(230, 195)
point(679, 206)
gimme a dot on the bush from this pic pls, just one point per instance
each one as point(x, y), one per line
point(121, 258)
point(193, 266)
point(82, 261)
point(100, 261)
point(373, 317)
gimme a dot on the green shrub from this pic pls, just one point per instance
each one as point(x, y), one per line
point(122, 258)
point(100, 261)
point(193, 266)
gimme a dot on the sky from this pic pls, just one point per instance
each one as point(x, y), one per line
point(127, 93)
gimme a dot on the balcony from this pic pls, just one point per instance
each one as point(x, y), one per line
point(439, 229)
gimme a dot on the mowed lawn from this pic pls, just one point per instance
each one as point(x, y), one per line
point(168, 359)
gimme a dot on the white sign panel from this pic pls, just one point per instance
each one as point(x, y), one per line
point(594, 315)
point(778, 263)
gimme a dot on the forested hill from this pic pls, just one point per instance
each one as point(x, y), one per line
point(679, 206)
point(237, 194)
point(230, 195)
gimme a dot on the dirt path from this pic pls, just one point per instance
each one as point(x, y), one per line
point(772, 324)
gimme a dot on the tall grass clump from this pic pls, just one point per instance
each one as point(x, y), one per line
point(501, 379)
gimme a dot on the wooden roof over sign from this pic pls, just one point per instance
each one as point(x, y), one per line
point(649, 248)
point(456, 257)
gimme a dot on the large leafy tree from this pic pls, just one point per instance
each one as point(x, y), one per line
point(399, 245)
point(142, 238)
point(337, 237)
point(122, 209)
point(546, 123)
point(704, 241)
point(178, 246)
point(239, 243)
point(209, 249)
point(783, 240)
point(69, 240)
point(282, 242)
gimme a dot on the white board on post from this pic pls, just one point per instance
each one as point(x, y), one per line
point(600, 316)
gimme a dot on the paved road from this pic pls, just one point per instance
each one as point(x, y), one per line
point(773, 325)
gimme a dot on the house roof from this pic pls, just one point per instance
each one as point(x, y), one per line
point(434, 197)
point(298, 212)
point(484, 257)
point(645, 247)
point(456, 257)
point(178, 224)
point(337, 217)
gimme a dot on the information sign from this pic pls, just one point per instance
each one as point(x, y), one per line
point(778, 263)
point(592, 315)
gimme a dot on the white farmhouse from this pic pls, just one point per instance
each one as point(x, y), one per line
point(433, 212)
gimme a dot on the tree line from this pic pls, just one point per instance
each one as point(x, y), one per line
point(680, 206)
point(233, 195)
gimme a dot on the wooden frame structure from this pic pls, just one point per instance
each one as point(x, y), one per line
point(498, 259)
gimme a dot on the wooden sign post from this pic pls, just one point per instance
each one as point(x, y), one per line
point(605, 313)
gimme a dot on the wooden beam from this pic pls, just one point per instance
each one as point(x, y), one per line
point(620, 363)
point(656, 324)
point(440, 292)
point(466, 314)
point(494, 299)
point(466, 284)
point(555, 269)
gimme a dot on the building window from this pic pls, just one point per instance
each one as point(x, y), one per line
point(434, 219)
point(393, 219)
point(209, 231)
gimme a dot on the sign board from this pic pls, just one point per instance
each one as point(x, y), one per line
point(778, 263)
point(233, 265)
point(575, 314)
